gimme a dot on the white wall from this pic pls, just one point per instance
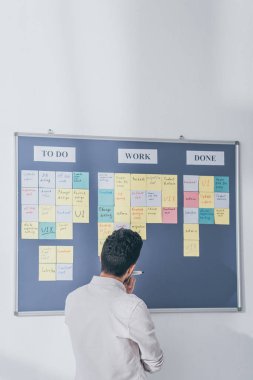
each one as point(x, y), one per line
point(146, 68)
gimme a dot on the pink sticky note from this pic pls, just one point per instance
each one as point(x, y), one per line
point(191, 199)
point(169, 215)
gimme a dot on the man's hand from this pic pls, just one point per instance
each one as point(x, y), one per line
point(129, 285)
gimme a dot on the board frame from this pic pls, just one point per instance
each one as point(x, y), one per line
point(181, 140)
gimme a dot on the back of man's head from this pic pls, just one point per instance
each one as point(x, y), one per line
point(120, 251)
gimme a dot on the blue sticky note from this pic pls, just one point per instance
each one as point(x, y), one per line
point(105, 214)
point(47, 230)
point(80, 180)
point(64, 272)
point(206, 216)
point(105, 197)
point(221, 184)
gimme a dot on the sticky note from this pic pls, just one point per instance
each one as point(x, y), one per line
point(221, 184)
point(191, 183)
point(46, 196)
point(191, 199)
point(138, 215)
point(154, 182)
point(64, 272)
point(46, 213)
point(206, 216)
point(80, 214)
point(138, 182)
point(191, 232)
point(64, 213)
point(29, 230)
point(191, 215)
point(154, 198)
point(105, 197)
point(121, 181)
point(29, 196)
point(64, 231)
point(29, 178)
point(206, 184)
point(221, 215)
point(30, 213)
point(122, 214)
point(81, 180)
point(191, 248)
point(206, 200)
point(106, 181)
point(80, 197)
point(169, 199)
point(65, 254)
point(169, 183)
point(47, 179)
point(169, 215)
point(138, 198)
point(47, 254)
point(47, 230)
point(63, 196)
point(154, 215)
point(122, 198)
point(100, 246)
point(47, 272)
point(140, 229)
point(118, 226)
point(221, 200)
point(105, 214)
point(104, 230)
point(63, 180)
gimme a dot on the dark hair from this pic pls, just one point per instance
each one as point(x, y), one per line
point(121, 249)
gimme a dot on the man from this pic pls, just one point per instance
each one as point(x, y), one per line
point(112, 334)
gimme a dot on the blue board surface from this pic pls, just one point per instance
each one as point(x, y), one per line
point(170, 280)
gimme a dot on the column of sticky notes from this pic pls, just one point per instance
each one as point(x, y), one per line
point(55, 263)
point(133, 200)
point(51, 202)
point(206, 201)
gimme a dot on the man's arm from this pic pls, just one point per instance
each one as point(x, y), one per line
point(142, 332)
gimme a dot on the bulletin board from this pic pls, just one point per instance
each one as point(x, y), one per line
point(181, 196)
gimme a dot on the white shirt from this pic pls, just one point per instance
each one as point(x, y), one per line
point(112, 333)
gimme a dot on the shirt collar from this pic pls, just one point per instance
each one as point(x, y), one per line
point(107, 281)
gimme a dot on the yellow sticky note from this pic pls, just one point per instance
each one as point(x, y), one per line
point(154, 215)
point(191, 248)
point(29, 230)
point(47, 272)
point(191, 232)
point(104, 230)
point(138, 181)
point(169, 183)
point(47, 254)
point(141, 229)
point(169, 199)
point(80, 197)
point(63, 197)
point(154, 182)
point(100, 246)
point(206, 184)
point(64, 231)
point(46, 213)
point(138, 215)
point(121, 181)
point(122, 198)
point(65, 254)
point(206, 200)
point(221, 216)
point(121, 214)
point(80, 214)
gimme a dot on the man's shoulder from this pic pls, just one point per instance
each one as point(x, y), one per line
point(76, 293)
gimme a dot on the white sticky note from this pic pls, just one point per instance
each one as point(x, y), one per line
point(118, 226)
point(64, 213)
point(29, 178)
point(47, 179)
point(64, 272)
point(29, 196)
point(154, 198)
point(106, 180)
point(221, 200)
point(191, 215)
point(46, 196)
point(63, 180)
point(30, 213)
point(191, 183)
point(138, 198)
